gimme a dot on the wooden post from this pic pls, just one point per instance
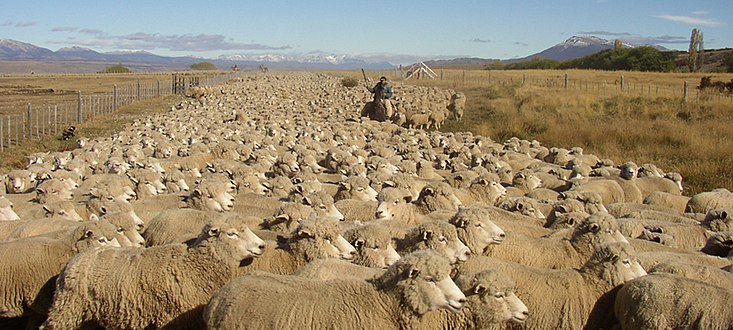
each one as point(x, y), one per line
point(78, 107)
point(114, 97)
point(2, 137)
point(29, 121)
point(565, 83)
point(684, 91)
point(138, 89)
point(38, 124)
point(55, 119)
point(524, 78)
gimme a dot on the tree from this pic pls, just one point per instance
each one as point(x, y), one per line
point(203, 66)
point(116, 69)
point(694, 61)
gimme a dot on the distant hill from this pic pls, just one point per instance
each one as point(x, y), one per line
point(12, 50)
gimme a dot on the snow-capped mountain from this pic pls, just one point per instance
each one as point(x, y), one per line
point(576, 47)
point(16, 50)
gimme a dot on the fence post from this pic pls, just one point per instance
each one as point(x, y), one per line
point(138, 89)
point(29, 122)
point(684, 91)
point(114, 97)
point(55, 119)
point(78, 108)
point(2, 137)
point(157, 89)
point(565, 82)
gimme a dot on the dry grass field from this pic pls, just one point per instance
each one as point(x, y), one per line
point(693, 138)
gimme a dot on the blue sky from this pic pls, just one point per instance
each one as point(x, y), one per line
point(399, 31)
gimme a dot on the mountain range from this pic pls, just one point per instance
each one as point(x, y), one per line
point(12, 50)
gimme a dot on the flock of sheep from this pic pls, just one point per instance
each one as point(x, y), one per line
point(269, 202)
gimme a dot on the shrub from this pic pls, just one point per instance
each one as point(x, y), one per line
point(203, 66)
point(349, 82)
point(116, 69)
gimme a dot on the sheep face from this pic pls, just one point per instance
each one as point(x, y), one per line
point(615, 263)
point(20, 181)
point(390, 201)
point(320, 239)
point(370, 253)
point(238, 238)
point(423, 280)
point(596, 229)
point(441, 237)
point(491, 293)
point(323, 205)
point(476, 230)
point(6, 210)
point(62, 209)
point(718, 220)
point(95, 235)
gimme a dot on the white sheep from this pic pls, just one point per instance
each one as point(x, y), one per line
point(672, 201)
point(416, 284)
point(718, 220)
point(666, 301)
point(437, 235)
point(559, 253)
point(709, 200)
point(172, 296)
point(20, 182)
point(30, 263)
point(457, 105)
point(312, 239)
point(475, 229)
point(586, 290)
point(6, 210)
point(53, 190)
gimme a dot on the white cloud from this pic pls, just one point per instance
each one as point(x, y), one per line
point(692, 20)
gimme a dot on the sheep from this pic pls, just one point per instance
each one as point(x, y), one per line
point(457, 105)
point(210, 195)
point(287, 217)
point(20, 182)
point(718, 220)
point(649, 184)
point(312, 239)
point(566, 253)
point(475, 229)
point(183, 225)
point(374, 253)
point(64, 209)
point(666, 301)
point(6, 210)
point(482, 190)
point(125, 230)
point(437, 118)
point(490, 302)
point(172, 296)
point(707, 274)
point(526, 206)
point(569, 298)
point(609, 190)
point(671, 201)
point(414, 285)
point(437, 235)
point(418, 120)
point(53, 190)
point(437, 196)
point(355, 187)
point(30, 263)
point(709, 200)
point(719, 244)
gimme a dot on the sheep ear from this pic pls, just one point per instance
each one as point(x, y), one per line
point(40, 191)
point(659, 230)
point(87, 234)
point(407, 199)
point(213, 231)
point(46, 208)
point(520, 206)
point(656, 239)
point(305, 233)
point(571, 222)
point(344, 185)
point(197, 192)
point(307, 201)
point(412, 273)
point(562, 209)
point(479, 289)
point(429, 191)
point(461, 223)
point(723, 214)
point(426, 235)
point(594, 227)
point(359, 243)
point(388, 183)
point(93, 217)
point(103, 210)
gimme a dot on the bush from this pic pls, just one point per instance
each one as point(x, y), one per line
point(116, 69)
point(350, 82)
point(203, 66)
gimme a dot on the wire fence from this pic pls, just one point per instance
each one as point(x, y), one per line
point(566, 83)
point(35, 122)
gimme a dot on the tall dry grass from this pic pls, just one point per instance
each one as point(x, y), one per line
point(693, 138)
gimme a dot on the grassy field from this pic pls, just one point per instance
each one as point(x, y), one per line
point(693, 138)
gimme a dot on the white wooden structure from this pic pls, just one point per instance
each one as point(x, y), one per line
point(419, 70)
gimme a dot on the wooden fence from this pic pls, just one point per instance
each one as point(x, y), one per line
point(36, 122)
point(566, 83)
